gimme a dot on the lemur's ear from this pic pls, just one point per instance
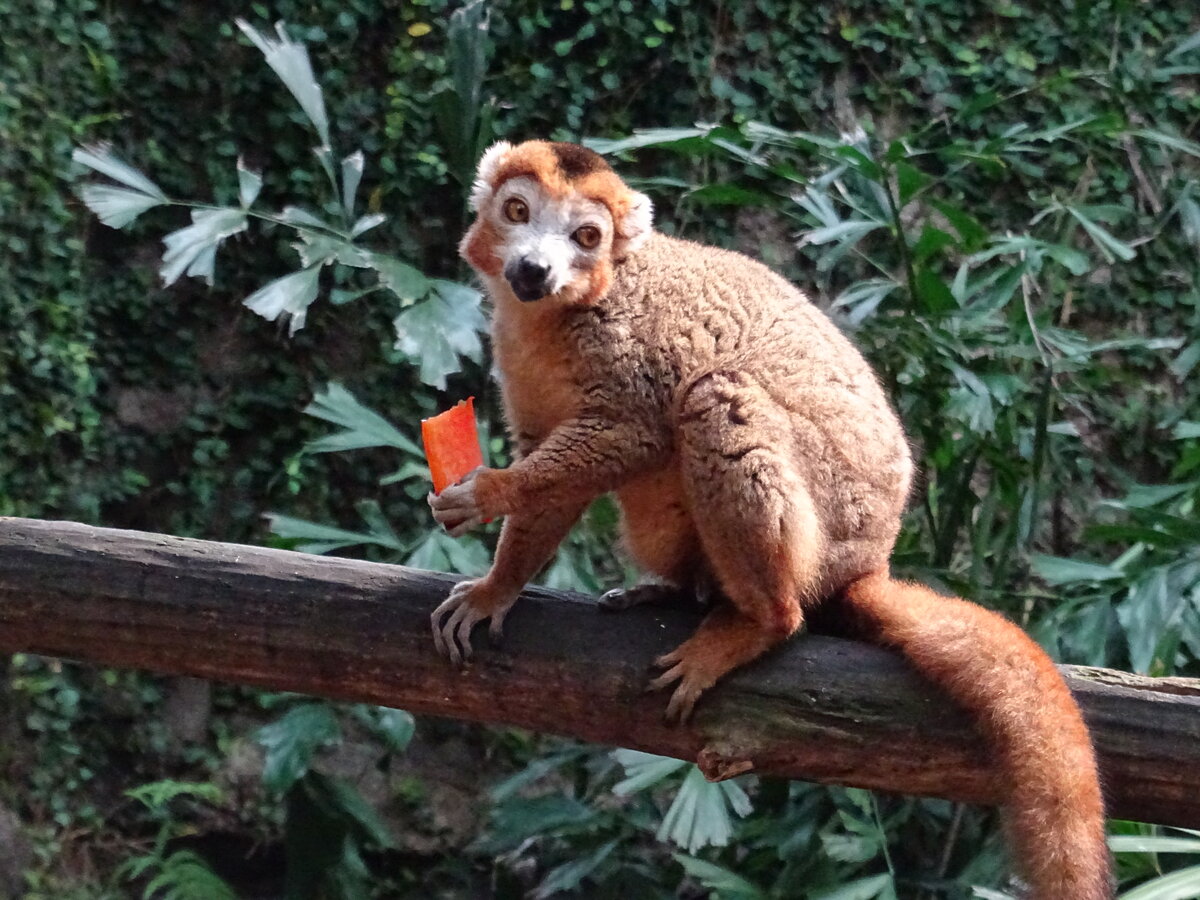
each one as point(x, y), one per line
point(637, 223)
point(488, 164)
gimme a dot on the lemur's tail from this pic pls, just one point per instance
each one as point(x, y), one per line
point(1055, 813)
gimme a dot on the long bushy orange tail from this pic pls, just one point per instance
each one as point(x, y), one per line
point(1055, 812)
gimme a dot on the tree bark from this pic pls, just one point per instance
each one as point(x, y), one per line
point(820, 708)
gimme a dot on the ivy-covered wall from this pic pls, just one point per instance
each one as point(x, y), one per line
point(176, 409)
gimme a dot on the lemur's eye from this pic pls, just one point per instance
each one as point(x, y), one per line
point(587, 237)
point(516, 210)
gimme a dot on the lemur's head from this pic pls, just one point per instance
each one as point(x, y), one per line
point(551, 219)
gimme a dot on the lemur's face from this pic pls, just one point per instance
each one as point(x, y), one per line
point(551, 219)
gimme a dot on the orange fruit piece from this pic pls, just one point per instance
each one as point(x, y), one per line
point(451, 442)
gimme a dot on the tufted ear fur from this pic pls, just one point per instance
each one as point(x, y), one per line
point(636, 225)
point(489, 163)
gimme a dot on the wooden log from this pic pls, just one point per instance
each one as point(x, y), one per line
point(820, 708)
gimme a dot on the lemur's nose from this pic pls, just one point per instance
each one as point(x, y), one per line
point(528, 279)
point(535, 272)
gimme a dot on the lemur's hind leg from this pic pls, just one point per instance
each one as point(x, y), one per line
point(658, 533)
point(758, 527)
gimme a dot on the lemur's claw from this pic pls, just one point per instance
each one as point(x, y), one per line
point(469, 603)
point(691, 685)
point(626, 598)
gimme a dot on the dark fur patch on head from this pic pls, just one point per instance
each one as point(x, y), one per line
point(575, 161)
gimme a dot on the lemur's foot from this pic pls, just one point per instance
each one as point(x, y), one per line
point(695, 675)
point(703, 589)
point(726, 639)
point(640, 594)
point(470, 602)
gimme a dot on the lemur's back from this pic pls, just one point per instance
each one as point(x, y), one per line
point(716, 310)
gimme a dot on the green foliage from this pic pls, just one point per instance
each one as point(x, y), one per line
point(1000, 201)
point(291, 741)
point(178, 875)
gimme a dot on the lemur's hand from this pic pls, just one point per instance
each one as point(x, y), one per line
point(470, 602)
point(456, 508)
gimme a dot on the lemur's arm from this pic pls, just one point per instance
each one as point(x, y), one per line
point(527, 541)
point(578, 461)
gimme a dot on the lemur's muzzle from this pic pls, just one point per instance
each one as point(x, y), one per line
point(528, 279)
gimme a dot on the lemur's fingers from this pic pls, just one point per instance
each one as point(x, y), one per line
point(666, 679)
point(667, 660)
point(468, 617)
point(463, 527)
point(469, 603)
point(496, 629)
point(456, 505)
point(682, 702)
point(443, 619)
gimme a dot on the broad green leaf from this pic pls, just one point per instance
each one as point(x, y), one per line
point(1152, 619)
point(289, 60)
point(1076, 262)
point(933, 292)
point(302, 218)
point(699, 815)
point(1147, 843)
point(157, 794)
point(366, 223)
point(1169, 140)
point(643, 770)
point(869, 888)
point(184, 875)
point(1186, 430)
point(725, 884)
point(342, 801)
point(1185, 46)
point(849, 230)
point(568, 876)
point(291, 742)
point(101, 158)
point(289, 296)
point(116, 206)
point(653, 137)
point(537, 769)
point(395, 726)
point(1183, 884)
point(318, 248)
point(399, 277)
point(909, 180)
point(438, 552)
point(1058, 570)
point(931, 241)
point(1141, 496)
point(518, 818)
point(863, 298)
point(192, 250)
point(318, 538)
point(440, 330)
point(352, 170)
point(970, 231)
point(363, 427)
point(249, 184)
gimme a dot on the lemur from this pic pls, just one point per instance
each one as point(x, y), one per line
point(753, 454)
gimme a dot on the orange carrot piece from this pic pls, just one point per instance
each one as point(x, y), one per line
point(451, 444)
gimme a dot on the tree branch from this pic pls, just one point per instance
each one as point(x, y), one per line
point(821, 709)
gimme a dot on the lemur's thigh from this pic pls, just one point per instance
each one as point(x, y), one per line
point(657, 528)
point(753, 512)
